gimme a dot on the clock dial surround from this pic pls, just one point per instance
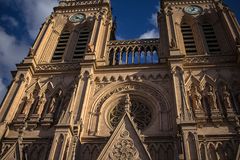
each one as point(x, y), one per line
point(77, 18)
point(193, 10)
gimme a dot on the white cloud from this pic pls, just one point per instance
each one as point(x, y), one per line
point(13, 50)
point(11, 20)
point(153, 20)
point(119, 37)
point(2, 90)
point(35, 13)
point(153, 33)
point(150, 34)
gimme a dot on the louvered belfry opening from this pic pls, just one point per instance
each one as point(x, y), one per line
point(211, 39)
point(188, 38)
point(61, 46)
point(81, 44)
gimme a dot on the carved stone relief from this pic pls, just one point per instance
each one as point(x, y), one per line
point(226, 97)
point(124, 148)
point(211, 96)
point(131, 87)
point(196, 98)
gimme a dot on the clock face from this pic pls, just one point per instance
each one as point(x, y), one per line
point(76, 18)
point(193, 10)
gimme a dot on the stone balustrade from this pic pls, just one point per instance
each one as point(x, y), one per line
point(133, 52)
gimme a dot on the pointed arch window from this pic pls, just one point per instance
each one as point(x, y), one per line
point(81, 44)
point(211, 39)
point(188, 38)
point(61, 46)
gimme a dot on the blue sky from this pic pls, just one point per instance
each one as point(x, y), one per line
point(20, 21)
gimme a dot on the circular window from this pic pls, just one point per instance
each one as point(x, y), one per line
point(139, 111)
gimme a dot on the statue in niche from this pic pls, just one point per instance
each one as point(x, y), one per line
point(211, 97)
point(29, 101)
point(65, 105)
point(196, 98)
point(23, 104)
point(55, 101)
point(226, 97)
point(41, 103)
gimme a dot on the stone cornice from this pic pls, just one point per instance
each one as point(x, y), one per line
point(134, 42)
point(80, 6)
point(184, 2)
point(56, 67)
point(80, 3)
point(209, 59)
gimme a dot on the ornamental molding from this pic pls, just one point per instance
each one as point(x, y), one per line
point(131, 42)
point(102, 81)
point(124, 148)
point(209, 59)
point(174, 2)
point(125, 143)
point(58, 67)
point(131, 87)
point(78, 10)
point(78, 3)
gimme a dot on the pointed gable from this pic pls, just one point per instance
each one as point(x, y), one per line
point(13, 153)
point(125, 143)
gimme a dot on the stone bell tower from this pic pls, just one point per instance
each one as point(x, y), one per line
point(201, 38)
point(81, 94)
point(41, 114)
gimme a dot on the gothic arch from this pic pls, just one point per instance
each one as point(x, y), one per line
point(34, 152)
point(153, 150)
point(95, 152)
point(150, 107)
point(59, 22)
point(212, 152)
point(109, 90)
point(220, 152)
point(209, 18)
point(86, 24)
point(35, 86)
point(193, 81)
point(229, 151)
point(188, 19)
point(158, 103)
point(206, 79)
point(192, 146)
point(59, 146)
point(86, 151)
point(48, 87)
point(202, 152)
point(170, 152)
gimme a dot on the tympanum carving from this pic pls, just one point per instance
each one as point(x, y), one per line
point(124, 148)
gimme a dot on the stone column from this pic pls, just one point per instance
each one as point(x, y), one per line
point(171, 29)
point(80, 102)
point(63, 135)
point(13, 98)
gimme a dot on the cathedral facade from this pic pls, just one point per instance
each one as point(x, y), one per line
point(80, 94)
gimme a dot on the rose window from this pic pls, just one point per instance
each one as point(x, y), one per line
point(139, 111)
